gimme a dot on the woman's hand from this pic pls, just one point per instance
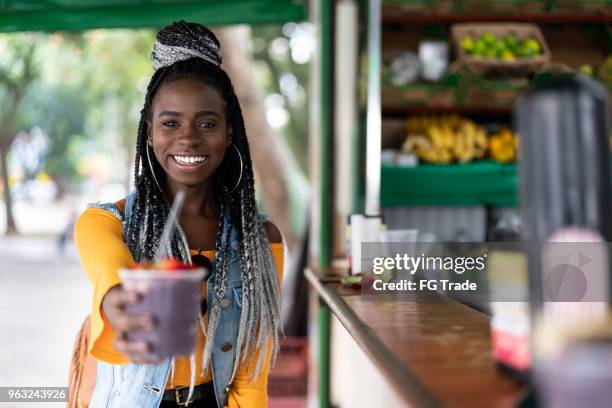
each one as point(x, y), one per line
point(113, 305)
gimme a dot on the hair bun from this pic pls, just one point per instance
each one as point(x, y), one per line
point(181, 40)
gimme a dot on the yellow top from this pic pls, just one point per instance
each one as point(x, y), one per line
point(99, 239)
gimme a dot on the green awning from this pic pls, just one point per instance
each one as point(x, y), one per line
point(53, 15)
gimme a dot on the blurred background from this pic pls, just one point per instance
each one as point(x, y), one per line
point(69, 105)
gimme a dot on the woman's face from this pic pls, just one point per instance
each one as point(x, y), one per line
point(189, 131)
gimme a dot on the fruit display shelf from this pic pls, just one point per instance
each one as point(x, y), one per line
point(541, 18)
point(476, 183)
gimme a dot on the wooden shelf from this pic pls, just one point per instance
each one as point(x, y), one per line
point(497, 112)
point(401, 18)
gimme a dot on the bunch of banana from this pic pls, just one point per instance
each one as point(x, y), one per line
point(471, 142)
point(503, 146)
point(444, 139)
point(439, 148)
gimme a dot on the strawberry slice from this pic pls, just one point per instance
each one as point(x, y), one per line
point(168, 264)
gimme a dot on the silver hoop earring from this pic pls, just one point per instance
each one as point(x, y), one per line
point(241, 166)
point(152, 171)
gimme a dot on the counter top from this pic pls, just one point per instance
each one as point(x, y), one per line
point(433, 353)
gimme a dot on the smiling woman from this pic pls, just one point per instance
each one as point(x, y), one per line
point(188, 131)
point(191, 137)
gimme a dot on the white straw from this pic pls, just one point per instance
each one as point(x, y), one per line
point(164, 250)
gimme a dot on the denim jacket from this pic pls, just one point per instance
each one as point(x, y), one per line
point(142, 385)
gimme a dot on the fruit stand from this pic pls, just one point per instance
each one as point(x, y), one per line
point(491, 51)
point(438, 80)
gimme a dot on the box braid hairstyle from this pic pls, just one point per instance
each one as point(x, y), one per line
point(188, 50)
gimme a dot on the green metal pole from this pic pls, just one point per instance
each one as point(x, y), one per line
point(325, 154)
point(326, 106)
point(324, 323)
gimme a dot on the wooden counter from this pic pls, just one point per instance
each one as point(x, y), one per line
point(434, 353)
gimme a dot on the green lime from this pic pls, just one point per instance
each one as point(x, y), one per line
point(507, 56)
point(586, 69)
point(528, 52)
point(514, 48)
point(488, 38)
point(499, 47)
point(604, 71)
point(468, 45)
point(533, 45)
point(530, 48)
point(523, 51)
point(510, 41)
point(480, 48)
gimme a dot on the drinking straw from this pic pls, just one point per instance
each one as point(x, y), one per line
point(164, 250)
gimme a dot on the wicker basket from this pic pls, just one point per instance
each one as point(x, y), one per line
point(521, 31)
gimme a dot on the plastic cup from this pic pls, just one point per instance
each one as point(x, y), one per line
point(172, 298)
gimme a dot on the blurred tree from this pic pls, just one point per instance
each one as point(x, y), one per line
point(91, 88)
point(117, 67)
point(282, 55)
point(272, 159)
point(273, 47)
point(60, 112)
point(17, 72)
point(274, 101)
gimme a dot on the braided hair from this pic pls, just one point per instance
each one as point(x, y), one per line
point(259, 318)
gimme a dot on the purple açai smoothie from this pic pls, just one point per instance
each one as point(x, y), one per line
point(173, 299)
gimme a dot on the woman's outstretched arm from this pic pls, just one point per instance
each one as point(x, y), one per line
point(98, 238)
